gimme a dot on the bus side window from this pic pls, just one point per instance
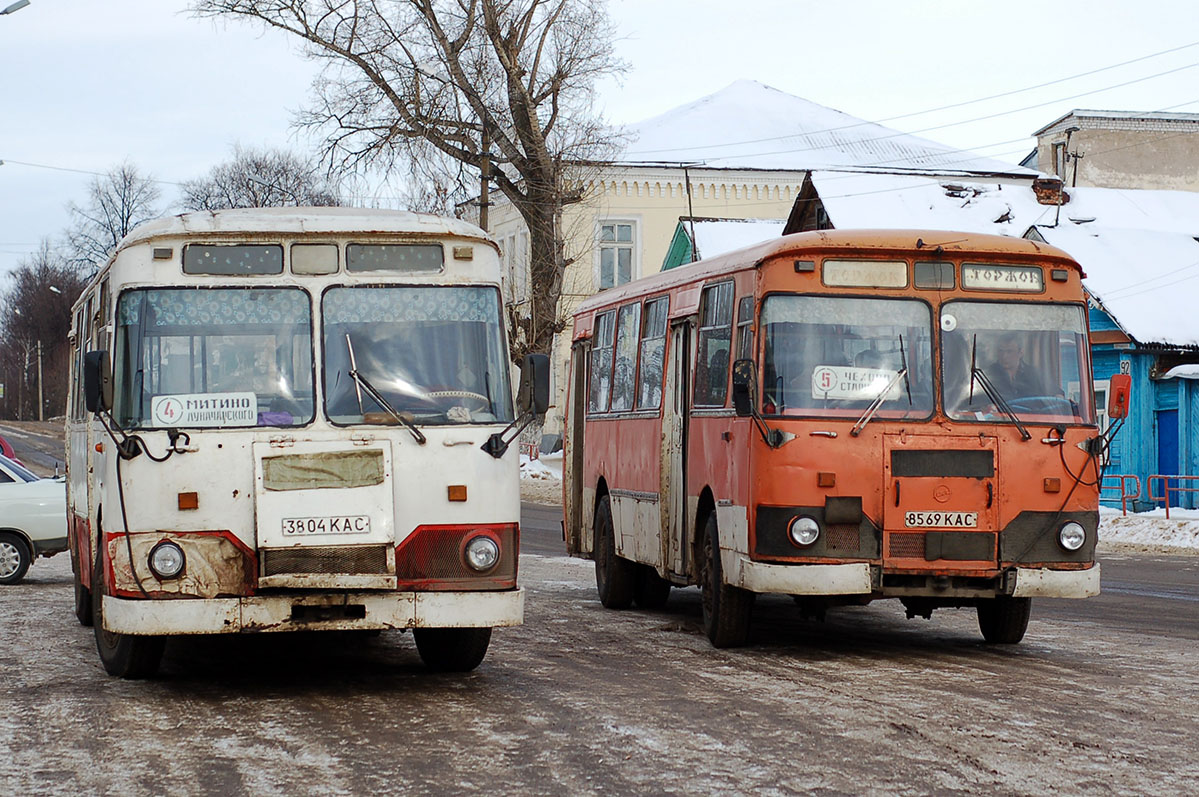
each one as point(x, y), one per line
point(653, 346)
point(745, 330)
point(601, 362)
point(715, 339)
point(628, 323)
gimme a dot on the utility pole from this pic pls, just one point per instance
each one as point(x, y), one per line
point(485, 176)
point(40, 403)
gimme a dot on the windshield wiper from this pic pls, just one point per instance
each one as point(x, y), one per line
point(991, 391)
point(870, 412)
point(361, 383)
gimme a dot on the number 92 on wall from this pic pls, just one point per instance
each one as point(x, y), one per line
point(944, 520)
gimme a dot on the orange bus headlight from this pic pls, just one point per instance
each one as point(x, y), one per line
point(803, 531)
point(1072, 536)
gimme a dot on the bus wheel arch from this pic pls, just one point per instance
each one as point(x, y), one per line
point(123, 655)
point(615, 576)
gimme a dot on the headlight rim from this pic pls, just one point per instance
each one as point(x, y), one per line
point(814, 528)
point(478, 536)
point(1070, 526)
point(163, 575)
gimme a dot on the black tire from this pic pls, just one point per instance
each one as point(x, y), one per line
point(650, 590)
point(83, 595)
point(1003, 621)
point(615, 576)
point(452, 649)
point(15, 558)
point(727, 609)
point(123, 655)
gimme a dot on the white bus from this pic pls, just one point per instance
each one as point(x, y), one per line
point(296, 419)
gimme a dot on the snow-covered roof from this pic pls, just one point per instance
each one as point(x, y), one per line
point(906, 201)
point(1188, 371)
point(748, 125)
point(902, 201)
point(716, 236)
point(283, 220)
point(1145, 279)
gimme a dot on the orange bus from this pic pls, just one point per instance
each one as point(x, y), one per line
point(840, 417)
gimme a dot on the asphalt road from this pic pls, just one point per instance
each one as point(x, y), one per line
point(1099, 698)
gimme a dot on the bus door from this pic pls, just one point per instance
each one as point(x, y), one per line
point(572, 447)
point(940, 501)
point(673, 489)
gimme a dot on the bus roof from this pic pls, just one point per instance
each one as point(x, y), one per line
point(302, 220)
point(953, 244)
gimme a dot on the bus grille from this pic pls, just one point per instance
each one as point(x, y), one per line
point(907, 546)
point(358, 560)
point(843, 537)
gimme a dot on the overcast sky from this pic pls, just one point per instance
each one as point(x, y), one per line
point(86, 84)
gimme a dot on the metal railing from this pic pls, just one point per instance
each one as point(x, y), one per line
point(1167, 487)
point(1124, 480)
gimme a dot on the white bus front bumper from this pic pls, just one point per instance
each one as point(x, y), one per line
point(301, 612)
point(848, 579)
point(1041, 583)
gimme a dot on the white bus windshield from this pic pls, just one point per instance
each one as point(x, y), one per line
point(213, 357)
point(834, 356)
point(435, 354)
point(1032, 356)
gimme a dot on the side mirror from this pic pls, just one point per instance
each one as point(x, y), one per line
point(743, 381)
point(534, 394)
point(97, 381)
point(1118, 395)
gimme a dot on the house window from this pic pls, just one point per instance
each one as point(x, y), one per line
point(715, 340)
point(616, 254)
point(1059, 159)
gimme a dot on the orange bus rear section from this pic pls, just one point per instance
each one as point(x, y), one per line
point(887, 426)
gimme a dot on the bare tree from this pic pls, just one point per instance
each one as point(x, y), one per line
point(116, 203)
point(502, 85)
point(35, 314)
point(260, 178)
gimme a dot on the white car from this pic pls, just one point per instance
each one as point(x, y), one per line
point(33, 519)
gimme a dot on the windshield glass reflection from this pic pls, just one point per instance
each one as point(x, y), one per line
point(436, 355)
point(834, 356)
point(1032, 355)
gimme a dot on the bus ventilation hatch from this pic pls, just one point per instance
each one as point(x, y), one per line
point(358, 560)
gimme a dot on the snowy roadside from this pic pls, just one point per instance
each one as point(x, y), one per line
point(1147, 532)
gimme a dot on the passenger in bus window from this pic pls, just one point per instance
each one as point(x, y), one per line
point(1010, 374)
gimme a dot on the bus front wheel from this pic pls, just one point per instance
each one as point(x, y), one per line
point(83, 596)
point(452, 649)
point(615, 577)
point(1004, 620)
point(123, 655)
point(727, 609)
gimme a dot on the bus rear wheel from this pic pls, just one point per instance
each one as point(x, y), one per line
point(452, 649)
point(615, 576)
point(1003, 621)
point(727, 609)
point(123, 655)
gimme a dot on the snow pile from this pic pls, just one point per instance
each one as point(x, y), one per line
point(548, 467)
point(1151, 528)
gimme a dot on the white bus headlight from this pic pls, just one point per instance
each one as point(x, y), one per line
point(167, 559)
point(803, 531)
point(1072, 536)
point(482, 553)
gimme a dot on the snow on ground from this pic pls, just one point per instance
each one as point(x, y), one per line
point(1150, 530)
point(541, 478)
